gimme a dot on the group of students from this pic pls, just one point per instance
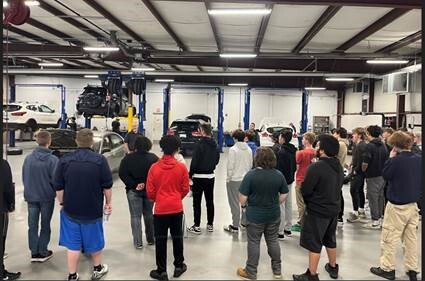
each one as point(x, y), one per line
point(259, 193)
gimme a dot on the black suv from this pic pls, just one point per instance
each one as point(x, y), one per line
point(188, 132)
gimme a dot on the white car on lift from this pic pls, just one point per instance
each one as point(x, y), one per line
point(21, 115)
point(269, 126)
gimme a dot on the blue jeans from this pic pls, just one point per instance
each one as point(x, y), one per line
point(139, 205)
point(38, 242)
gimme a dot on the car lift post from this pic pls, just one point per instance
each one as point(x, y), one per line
point(247, 109)
point(12, 135)
point(220, 137)
point(141, 114)
point(304, 110)
point(166, 115)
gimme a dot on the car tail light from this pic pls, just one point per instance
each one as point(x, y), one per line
point(196, 134)
point(22, 113)
point(264, 134)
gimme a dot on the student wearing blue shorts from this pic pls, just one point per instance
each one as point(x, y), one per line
point(83, 180)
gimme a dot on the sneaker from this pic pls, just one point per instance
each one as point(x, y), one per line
point(210, 228)
point(243, 227)
point(281, 237)
point(46, 257)
point(97, 275)
point(11, 275)
point(139, 247)
point(372, 225)
point(352, 217)
point(340, 222)
point(296, 227)
point(35, 258)
point(333, 271)
point(277, 275)
point(178, 271)
point(151, 243)
point(412, 275)
point(287, 233)
point(390, 275)
point(307, 276)
point(362, 215)
point(159, 275)
point(73, 277)
point(194, 229)
point(241, 272)
point(230, 228)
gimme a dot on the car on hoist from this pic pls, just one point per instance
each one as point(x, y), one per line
point(269, 126)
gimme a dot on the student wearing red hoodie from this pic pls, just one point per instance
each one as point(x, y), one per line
point(167, 185)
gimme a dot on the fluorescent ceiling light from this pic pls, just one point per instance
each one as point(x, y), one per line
point(315, 88)
point(387, 61)
point(239, 12)
point(5, 4)
point(32, 3)
point(164, 80)
point(50, 64)
point(339, 79)
point(91, 76)
point(238, 84)
point(229, 55)
point(142, 69)
point(101, 49)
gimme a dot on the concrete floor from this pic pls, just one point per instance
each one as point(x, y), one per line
point(208, 256)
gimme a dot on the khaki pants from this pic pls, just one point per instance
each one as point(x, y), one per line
point(400, 223)
point(300, 202)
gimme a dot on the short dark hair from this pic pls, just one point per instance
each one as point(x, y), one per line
point(328, 144)
point(286, 135)
point(239, 135)
point(375, 131)
point(142, 144)
point(265, 158)
point(275, 136)
point(169, 144)
point(206, 127)
point(250, 135)
point(342, 132)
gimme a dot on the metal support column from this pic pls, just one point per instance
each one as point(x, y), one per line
point(87, 123)
point(141, 114)
point(12, 98)
point(63, 111)
point(247, 109)
point(220, 137)
point(166, 115)
point(304, 112)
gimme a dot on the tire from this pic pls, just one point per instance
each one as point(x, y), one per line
point(14, 151)
point(32, 124)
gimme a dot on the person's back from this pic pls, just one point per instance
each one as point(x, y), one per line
point(239, 161)
point(376, 155)
point(205, 157)
point(136, 166)
point(343, 151)
point(286, 162)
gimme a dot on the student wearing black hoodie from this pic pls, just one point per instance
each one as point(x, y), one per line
point(321, 192)
point(204, 160)
point(287, 164)
point(133, 172)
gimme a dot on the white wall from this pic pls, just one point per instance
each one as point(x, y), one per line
point(284, 104)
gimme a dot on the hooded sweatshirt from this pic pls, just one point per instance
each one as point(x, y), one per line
point(37, 174)
point(239, 161)
point(167, 185)
point(286, 162)
point(205, 158)
point(375, 156)
point(343, 150)
point(7, 188)
point(321, 188)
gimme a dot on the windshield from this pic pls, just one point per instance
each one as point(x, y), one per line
point(272, 130)
point(11, 107)
point(185, 126)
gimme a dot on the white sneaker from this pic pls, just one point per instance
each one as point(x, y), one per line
point(372, 225)
point(97, 275)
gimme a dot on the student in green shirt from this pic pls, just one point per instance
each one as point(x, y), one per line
point(263, 189)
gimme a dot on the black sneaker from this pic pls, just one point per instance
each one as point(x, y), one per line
point(46, 257)
point(159, 276)
point(281, 237)
point(35, 258)
point(11, 275)
point(151, 243)
point(230, 228)
point(307, 276)
point(287, 233)
point(178, 271)
point(195, 230)
point(390, 275)
point(412, 275)
point(72, 277)
point(333, 271)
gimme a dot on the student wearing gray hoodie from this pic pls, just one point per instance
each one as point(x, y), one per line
point(37, 174)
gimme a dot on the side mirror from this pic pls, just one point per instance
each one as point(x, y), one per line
point(106, 150)
point(53, 111)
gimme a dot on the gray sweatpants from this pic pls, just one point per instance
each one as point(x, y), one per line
point(235, 207)
point(254, 233)
point(286, 212)
point(375, 195)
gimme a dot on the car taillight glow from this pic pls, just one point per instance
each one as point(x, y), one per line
point(196, 134)
point(264, 134)
point(22, 113)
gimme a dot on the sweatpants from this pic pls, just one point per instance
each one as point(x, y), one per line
point(206, 187)
point(400, 223)
point(235, 208)
point(162, 223)
point(341, 213)
point(357, 192)
point(4, 222)
point(375, 195)
point(286, 212)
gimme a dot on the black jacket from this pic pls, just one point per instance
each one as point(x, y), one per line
point(205, 157)
point(359, 151)
point(286, 162)
point(276, 149)
point(321, 188)
point(375, 156)
point(134, 169)
point(7, 188)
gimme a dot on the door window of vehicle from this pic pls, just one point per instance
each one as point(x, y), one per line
point(116, 141)
point(97, 143)
point(45, 109)
point(106, 144)
point(32, 107)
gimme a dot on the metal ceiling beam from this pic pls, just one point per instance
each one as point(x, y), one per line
point(55, 32)
point(371, 29)
point(408, 4)
point(263, 28)
point(58, 13)
point(401, 43)
point(214, 28)
point(28, 35)
point(100, 9)
point(317, 26)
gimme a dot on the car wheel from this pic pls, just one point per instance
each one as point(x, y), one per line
point(32, 124)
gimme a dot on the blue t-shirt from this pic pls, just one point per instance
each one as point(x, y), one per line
point(83, 175)
point(263, 187)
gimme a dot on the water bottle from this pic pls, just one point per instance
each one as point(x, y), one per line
point(106, 215)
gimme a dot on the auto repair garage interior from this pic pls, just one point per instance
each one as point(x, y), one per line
point(311, 66)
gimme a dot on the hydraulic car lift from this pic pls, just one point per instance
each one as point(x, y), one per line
point(247, 109)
